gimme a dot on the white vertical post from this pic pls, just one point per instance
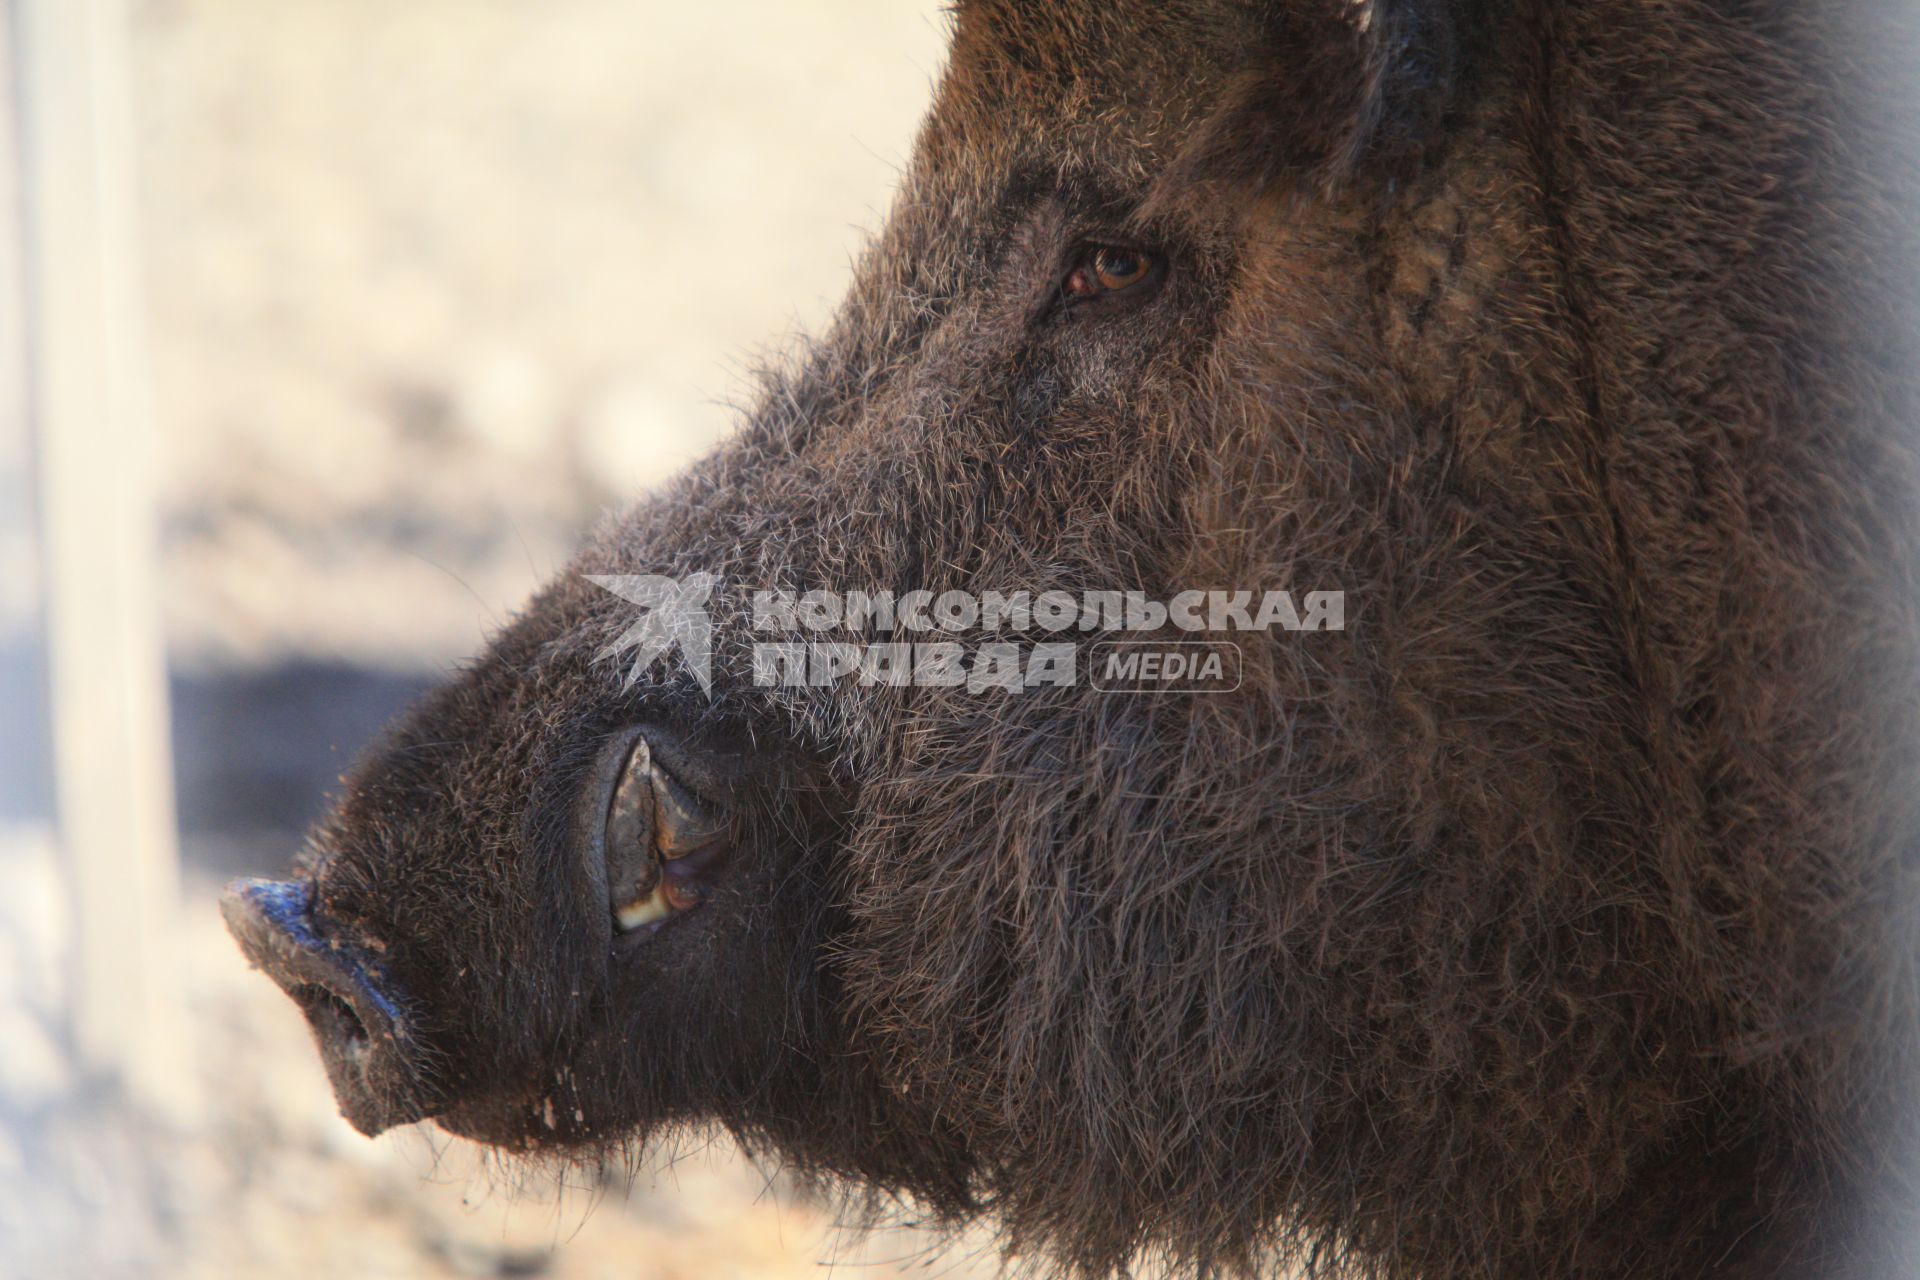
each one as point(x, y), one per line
point(92, 431)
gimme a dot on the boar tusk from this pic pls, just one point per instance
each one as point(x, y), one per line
point(683, 822)
point(631, 828)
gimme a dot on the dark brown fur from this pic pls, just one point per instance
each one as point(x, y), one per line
point(1556, 919)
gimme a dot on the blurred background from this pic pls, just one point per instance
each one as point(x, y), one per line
point(326, 328)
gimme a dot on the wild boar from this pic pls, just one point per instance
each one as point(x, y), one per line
point(1542, 906)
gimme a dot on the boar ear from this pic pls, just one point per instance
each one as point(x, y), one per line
point(1335, 86)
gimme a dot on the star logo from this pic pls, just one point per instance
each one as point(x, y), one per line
point(674, 613)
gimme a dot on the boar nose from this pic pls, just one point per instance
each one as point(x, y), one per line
point(359, 1019)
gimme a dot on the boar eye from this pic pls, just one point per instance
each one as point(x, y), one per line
point(1107, 269)
point(662, 843)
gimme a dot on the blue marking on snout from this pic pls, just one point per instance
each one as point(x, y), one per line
point(288, 906)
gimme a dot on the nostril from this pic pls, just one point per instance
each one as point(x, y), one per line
point(332, 1017)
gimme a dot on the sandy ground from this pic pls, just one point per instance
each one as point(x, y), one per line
point(434, 282)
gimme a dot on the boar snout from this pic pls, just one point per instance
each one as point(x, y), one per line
point(359, 1020)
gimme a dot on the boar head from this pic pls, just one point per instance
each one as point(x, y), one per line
point(1536, 923)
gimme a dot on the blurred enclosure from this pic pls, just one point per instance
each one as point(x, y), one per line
point(390, 299)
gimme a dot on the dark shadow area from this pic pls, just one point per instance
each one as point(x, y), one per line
point(26, 774)
point(257, 753)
